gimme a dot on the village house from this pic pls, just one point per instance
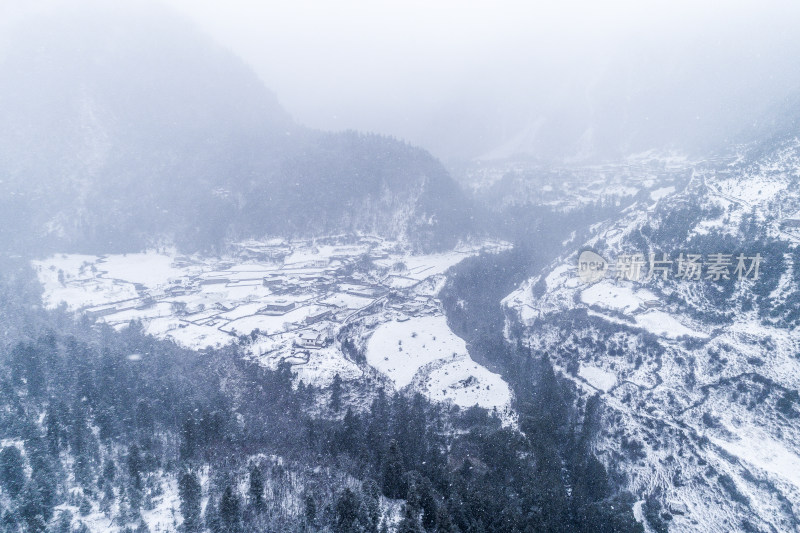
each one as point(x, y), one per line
point(313, 339)
point(363, 291)
point(273, 281)
point(792, 221)
point(318, 316)
point(278, 307)
point(650, 304)
point(99, 313)
point(176, 290)
point(214, 281)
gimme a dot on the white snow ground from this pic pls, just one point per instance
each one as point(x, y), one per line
point(426, 352)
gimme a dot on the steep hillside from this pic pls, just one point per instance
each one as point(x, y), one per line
point(156, 134)
point(698, 378)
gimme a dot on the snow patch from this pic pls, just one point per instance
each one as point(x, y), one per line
point(400, 349)
point(658, 194)
point(598, 378)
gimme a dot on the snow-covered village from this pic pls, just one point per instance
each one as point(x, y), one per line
point(292, 302)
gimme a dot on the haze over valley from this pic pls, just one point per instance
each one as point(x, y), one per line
point(399, 267)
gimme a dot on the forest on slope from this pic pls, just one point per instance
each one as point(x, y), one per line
point(157, 135)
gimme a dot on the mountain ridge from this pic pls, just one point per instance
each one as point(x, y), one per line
point(156, 134)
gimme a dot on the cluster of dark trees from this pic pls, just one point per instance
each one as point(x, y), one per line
point(558, 427)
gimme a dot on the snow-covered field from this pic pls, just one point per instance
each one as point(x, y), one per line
point(755, 447)
point(621, 297)
point(597, 377)
point(425, 352)
point(465, 383)
point(665, 325)
point(658, 194)
point(400, 349)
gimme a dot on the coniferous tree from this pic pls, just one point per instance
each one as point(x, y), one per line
point(109, 470)
point(142, 527)
point(12, 470)
point(230, 511)
point(108, 498)
point(36, 503)
point(189, 438)
point(346, 510)
point(52, 428)
point(392, 473)
point(211, 518)
point(310, 510)
point(85, 507)
point(190, 493)
point(349, 437)
point(443, 522)
point(256, 490)
point(410, 521)
point(427, 502)
point(372, 495)
point(350, 515)
point(377, 430)
point(29, 363)
point(135, 466)
point(336, 393)
point(64, 522)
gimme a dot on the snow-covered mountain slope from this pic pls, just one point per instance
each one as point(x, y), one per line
point(525, 182)
point(699, 378)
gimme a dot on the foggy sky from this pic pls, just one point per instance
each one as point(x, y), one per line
point(469, 79)
point(491, 79)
